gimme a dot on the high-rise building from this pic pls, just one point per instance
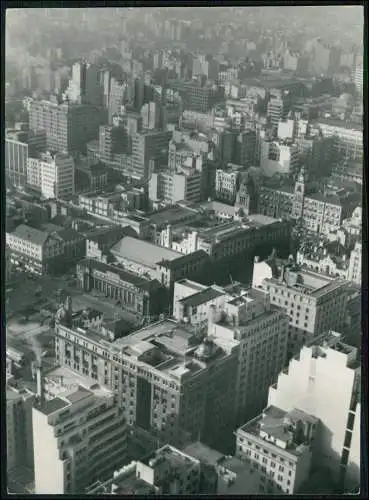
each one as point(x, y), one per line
point(227, 182)
point(150, 113)
point(324, 381)
point(53, 174)
point(275, 112)
point(166, 379)
point(79, 433)
point(68, 127)
point(84, 86)
point(354, 270)
point(19, 439)
point(358, 72)
point(16, 157)
point(198, 96)
point(237, 316)
point(149, 145)
point(314, 303)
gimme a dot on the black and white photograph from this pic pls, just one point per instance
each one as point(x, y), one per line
point(183, 249)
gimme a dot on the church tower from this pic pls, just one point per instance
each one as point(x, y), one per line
point(242, 204)
point(298, 200)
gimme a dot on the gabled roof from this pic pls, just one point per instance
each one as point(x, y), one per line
point(29, 233)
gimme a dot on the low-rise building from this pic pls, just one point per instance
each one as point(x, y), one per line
point(167, 471)
point(91, 178)
point(163, 264)
point(275, 199)
point(36, 251)
point(140, 295)
point(223, 475)
point(100, 241)
point(279, 446)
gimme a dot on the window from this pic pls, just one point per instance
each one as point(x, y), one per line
point(281, 468)
point(280, 478)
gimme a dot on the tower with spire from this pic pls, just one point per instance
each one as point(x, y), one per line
point(298, 201)
point(242, 203)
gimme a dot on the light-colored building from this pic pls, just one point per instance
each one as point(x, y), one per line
point(324, 380)
point(36, 250)
point(314, 303)
point(158, 262)
point(19, 438)
point(278, 157)
point(349, 142)
point(52, 174)
point(170, 187)
point(354, 269)
point(227, 182)
point(79, 433)
point(275, 112)
point(279, 446)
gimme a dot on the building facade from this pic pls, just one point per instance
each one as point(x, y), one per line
point(308, 385)
point(16, 157)
point(278, 444)
point(141, 296)
point(314, 303)
point(354, 268)
point(79, 436)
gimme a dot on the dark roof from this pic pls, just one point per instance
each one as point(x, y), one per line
point(138, 281)
point(180, 261)
point(99, 234)
point(333, 199)
point(52, 406)
point(201, 297)
point(30, 234)
point(78, 395)
point(68, 234)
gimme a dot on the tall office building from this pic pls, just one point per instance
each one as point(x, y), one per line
point(275, 112)
point(79, 434)
point(166, 378)
point(324, 381)
point(84, 86)
point(68, 127)
point(149, 145)
point(16, 157)
point(150, 113)
point(53, 174)
point(358, 72)
point(236, 316)
point(314, 303)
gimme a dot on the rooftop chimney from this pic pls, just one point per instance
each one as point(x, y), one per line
point(39, 381)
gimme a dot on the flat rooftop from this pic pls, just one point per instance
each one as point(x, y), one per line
point(143, 252)
point(53, 405)
point(277, 424)
point(176, 459)
point(172, 215)
point(204, 453)
point(131, 484)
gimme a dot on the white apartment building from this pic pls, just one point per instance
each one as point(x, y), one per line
point(172, 187)
point(19, 439)
point(354, 269)
point(324, 381)
point(79, 434)
point(278, 157)
point(52, 174)
point(313, 302)
point(281, 455)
